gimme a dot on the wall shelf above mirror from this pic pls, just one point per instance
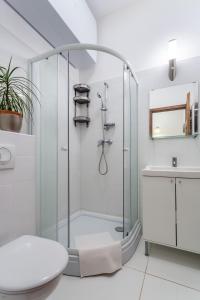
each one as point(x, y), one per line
point(173, 112)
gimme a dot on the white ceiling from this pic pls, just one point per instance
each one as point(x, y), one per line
point(100, 8)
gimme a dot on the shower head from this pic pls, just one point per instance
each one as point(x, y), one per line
point(99, 95)
point(106, 85)
point(103, 108)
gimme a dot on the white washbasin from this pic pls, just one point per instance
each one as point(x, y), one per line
point(167, 171)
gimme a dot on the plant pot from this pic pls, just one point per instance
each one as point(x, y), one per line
point(10, 120)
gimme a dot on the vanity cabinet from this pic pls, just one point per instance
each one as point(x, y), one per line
point(159, 210)
point(188, 214)
point(171, 212)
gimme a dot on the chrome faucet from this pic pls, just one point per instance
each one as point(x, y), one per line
point(103, 142)
point(174, 162)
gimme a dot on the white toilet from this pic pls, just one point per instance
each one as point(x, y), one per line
point(30, 268)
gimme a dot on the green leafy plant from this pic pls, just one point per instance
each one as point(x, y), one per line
point(16, 92)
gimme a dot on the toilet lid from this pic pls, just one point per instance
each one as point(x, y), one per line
point(29, 262)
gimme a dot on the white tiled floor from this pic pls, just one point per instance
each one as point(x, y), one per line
point(139, 260)
point(167, 274)
point(158, 289)
point(174, 265)
point(125, 284)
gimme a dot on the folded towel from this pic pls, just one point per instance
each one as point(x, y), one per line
point(98, 254)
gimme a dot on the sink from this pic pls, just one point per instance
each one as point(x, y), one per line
point(167, 171)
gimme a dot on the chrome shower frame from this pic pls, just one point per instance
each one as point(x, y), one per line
point(130, 242)
point(70, 47)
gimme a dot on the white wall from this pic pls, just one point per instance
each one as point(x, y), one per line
point(77, 15)
point(174, 95)
point(103, 193)
point(17, 37)
point(160, 152)
point(19, 41)
point(141, 31)
point(17, 189)
point(72, 22)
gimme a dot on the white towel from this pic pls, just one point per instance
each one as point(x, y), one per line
point(98, 254)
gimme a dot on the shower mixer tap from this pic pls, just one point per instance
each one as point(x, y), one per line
point(104, 108)
point(103, 142)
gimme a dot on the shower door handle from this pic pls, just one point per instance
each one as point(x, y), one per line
point(63, 148)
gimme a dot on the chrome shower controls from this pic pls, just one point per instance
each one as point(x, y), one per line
point(107, 126)
point(103, 142)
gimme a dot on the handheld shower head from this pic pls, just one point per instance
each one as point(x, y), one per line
point(106, 84)
point(103, 108)
point(99, 95)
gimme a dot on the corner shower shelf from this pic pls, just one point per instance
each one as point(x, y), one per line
point(107, 126)
point(82, 119)
point(81, 99)
point(81, 89)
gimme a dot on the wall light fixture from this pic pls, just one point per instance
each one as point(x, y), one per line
point(172, 54)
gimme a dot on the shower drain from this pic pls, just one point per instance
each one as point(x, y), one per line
point(119, 229)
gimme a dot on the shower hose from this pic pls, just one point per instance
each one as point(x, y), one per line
point(103, 159)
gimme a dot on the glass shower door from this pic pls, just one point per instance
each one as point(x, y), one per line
point(130, 144)
point(134, 149)
point(51, 129)
point(46, 74)
point(126, 154)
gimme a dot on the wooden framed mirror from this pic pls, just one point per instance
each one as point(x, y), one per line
point(178, 120)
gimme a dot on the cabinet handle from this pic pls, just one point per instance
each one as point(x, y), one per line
point(179, 181)
point(172, 181)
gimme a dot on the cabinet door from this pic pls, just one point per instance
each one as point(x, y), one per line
point(188, 214)
point(159, 210)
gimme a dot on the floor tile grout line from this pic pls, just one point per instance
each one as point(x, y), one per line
point(134, 269)
point(186, 286)
point(140, 297)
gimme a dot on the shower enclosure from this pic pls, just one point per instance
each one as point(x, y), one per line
point(74, 198)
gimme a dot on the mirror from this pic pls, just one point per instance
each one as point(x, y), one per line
point(173, 111)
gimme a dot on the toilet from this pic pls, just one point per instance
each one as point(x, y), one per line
point(30, 268)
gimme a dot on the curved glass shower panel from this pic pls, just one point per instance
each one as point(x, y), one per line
point(95, 151)
point(87, 169)
point(63, 151)
point(130, 152)
point(134, 149)
point(126, 153)
point(47, 135)
point(87, 146)
point(51, 129)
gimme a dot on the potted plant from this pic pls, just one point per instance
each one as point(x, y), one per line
point(16, 98)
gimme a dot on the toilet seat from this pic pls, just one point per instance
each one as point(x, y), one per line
point(30, 262)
